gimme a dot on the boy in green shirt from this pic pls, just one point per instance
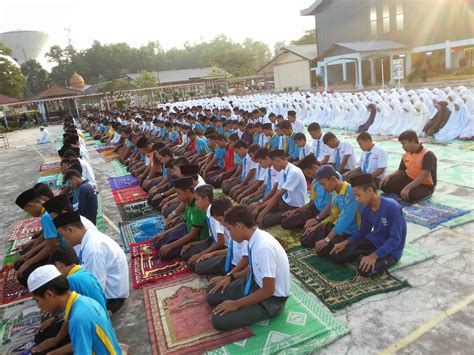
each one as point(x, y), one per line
point(194, 227)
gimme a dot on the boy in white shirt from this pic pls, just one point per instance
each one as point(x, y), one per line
point(300, 142)
point(343, 157)
point(321, 151)
point(248, 297)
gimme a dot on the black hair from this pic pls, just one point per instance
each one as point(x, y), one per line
point(370, 185)
point(240, 144)
point(58, 286)
point(43, 190)
point(328, 137)
point(205, 191)
point(262, 153)
point(221, 137)
point(314, 126)
point(65, 255)
point(166, 152)
point(364, 136)
point(70, 154)
point(253, 148)
point(299, 137)
point(277, 154)
point(72, 173)
point(285, 125)
point(234, 137)
point(409, 136)
point(267, 126)
point(240, 214)
point(220, 206)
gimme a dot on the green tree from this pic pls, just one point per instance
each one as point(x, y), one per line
point(308, 38)
point(277, 47)
point(146, 80)
point(37, 78)
point(259, 49)
point(12, 83)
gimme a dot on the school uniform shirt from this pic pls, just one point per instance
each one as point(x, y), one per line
point(319, 196)
point(385, 228)
point(374, 159)
point(344, 148)
point(87, 200)
point(247, 165)
point(239, 250)
point(345, 212)
point(269, 259)
point(104, 258)
point(320, 149)
point(90, 328)
point(213, 225)
point(293, 181)
point(195, 217)
point(290, 147)
point(273, 142)
point(49, 229)
point(87, 171)
point(86, 284)
point(305, 151)
point(297, 126)
point(219, 155)
point(201, 146)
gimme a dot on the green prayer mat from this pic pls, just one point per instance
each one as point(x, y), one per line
point(411, 255)
point(337, 285)
point(100, 215)
point(120, 169)
point(9, 257)
point(457, 202)
point(59, 144)
point(287, 238)
point(59, 181)
point(304, 326)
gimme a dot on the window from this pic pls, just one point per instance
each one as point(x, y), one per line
point(386, 18)
point(373, 21)
point(399, 16)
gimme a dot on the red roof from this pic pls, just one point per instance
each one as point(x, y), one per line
point(57, 91)
point(4, 100)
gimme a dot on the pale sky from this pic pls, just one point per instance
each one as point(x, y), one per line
point(172, 22)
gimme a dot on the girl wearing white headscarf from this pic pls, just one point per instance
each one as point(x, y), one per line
point(420, 117)
point(458, 121)
point(390, 122)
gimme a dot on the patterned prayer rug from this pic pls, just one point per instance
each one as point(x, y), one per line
point(130, 194)
point(147, 267)
point(337, 285)
point(411, 255)
point(48, 166)
point(120, 169)
point(141, 230)
point(303, 327)
point(123, 182)
point(179, 318)
point(48, 172)
point(10, 289)
point(10, 256)
point(136, 210)
point(105, 148)
point(26, 227)
point(429, 214)
point(287, 238)
point(18, 325)
point(49, 180)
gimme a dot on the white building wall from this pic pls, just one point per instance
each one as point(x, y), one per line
point(291, 71)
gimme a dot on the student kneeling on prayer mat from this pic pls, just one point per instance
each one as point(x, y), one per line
point(379, 242)
point(291, 193)
point(319, 205)
point(203, 197)
point(259, 293)
point(89, 326)
point(345, 214)
point(194, 226)
point(416, 177)
point(86, 195)
point(343, 156)
point(31, 201)
point(100, 255)
point(81, 281)
point(222, 261)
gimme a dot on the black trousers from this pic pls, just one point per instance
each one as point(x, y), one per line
point(49, 333)
point(114, 304)
point(298, 220)
point(397, 184)
point(23, 279)
point(358, 249)
point(320, 233)
point(275, 216)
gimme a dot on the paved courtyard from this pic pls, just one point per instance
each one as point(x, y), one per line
point(433, 316)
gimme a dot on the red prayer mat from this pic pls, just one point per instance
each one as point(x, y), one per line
point(179, 319)
point(130, 194)
point(147, 267)
point(10, 289)
point(26, 227)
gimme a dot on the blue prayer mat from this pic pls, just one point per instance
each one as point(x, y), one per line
point(141, 230)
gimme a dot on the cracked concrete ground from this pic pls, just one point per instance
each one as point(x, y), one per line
point(376, 322)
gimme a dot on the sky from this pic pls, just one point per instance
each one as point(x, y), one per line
point(172, 23)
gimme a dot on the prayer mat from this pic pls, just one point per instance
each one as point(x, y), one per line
point(111, 157)
point(49, 180)
point(147, 267)
point(460, 175)
point(287, 238)
point(303, 327)
point(179, 319)
point(52, 159)
point(10, 256)
point(48, 172)
point(459, 221)
point(48, 166)
point(105, 148)
point(17, 243)
point(337, 285)
point(136, 210)
point(122, 182)
point(411, 255)
point(120, 169)
point(429, 214)
point(10, 289)
point(18, 325)
point(59, 180)
point(130, 194)
point(26, 227)
point(141, 230)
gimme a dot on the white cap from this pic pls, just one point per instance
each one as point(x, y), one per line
point(41, 276)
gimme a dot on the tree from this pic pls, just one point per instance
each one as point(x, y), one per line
point(37, 78)
point(308, 38)
point(12, 83)
point(146, 80)
point(259, 49)
point(118, 85)
point(277, 47)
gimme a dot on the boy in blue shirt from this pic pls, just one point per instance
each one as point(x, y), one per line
point(344, 219)
point(291, 150)
point(216, 164)
point(87, 197)
point(90, 328)
point(379, 242)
